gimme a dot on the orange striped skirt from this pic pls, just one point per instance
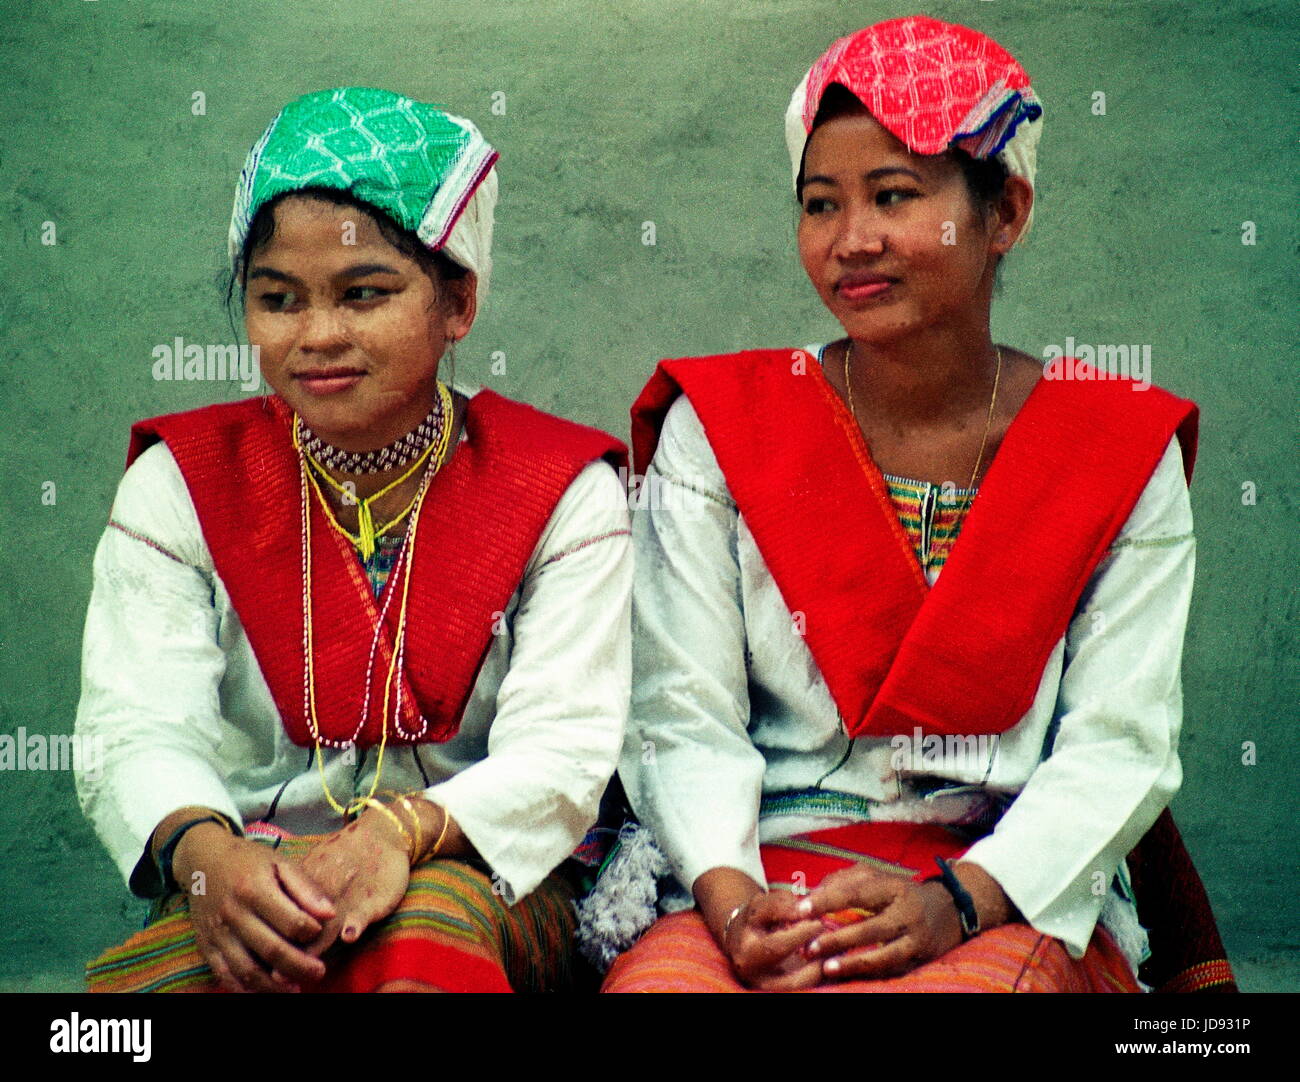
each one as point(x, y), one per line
point(451, 931)
point(678, 953)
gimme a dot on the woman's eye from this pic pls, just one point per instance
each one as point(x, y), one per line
point(892, 197)
point(817, 205)
point(367, 293)
point(278, 302)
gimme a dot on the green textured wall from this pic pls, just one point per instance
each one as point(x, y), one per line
point(618, 114)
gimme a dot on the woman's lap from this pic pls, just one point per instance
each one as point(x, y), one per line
point(678, 954)
point(451, 931)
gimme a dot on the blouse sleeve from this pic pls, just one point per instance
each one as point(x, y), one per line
point(689, 767)
point(1113, 766)
point(562, 707)
point(149, 712)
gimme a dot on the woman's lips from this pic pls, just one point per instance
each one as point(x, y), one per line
point(320, 383)
point(861, 289)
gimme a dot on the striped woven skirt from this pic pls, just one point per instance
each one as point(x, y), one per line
point(678, 953)
point(451, 931)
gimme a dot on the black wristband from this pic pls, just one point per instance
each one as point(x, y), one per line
point(167, 854)
point(970, 919)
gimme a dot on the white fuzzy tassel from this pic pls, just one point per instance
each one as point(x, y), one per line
point(1120, 919)
point(623, 903)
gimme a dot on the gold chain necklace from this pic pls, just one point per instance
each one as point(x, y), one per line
point(988, 424)
point(405, 560)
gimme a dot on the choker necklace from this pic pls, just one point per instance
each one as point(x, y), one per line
point(398, 453)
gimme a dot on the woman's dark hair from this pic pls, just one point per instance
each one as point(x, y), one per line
point(438, 266)
point(985, 177)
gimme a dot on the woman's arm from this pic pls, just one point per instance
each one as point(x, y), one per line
point(562, 705)
point(690, 769)
point(151, 669)
point(1114, 764)
point(150, 713)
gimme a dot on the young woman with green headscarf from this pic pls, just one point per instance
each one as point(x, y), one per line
point(358, 651)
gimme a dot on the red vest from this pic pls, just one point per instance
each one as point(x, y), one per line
point(966, 656)
point(481, 519)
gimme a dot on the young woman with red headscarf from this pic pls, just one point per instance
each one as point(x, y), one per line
point(909, 607)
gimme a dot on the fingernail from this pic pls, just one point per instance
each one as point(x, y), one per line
point(814, 946)
point(805, 907)
point(833, 966)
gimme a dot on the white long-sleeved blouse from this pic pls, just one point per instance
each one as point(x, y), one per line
point(173, 695)
point(734, 739)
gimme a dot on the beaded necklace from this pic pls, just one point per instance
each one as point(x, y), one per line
point(364, 539)
point(398, 453)
point(402, 567)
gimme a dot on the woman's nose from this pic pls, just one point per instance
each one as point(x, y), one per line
point(322, 328)
point(860, 232)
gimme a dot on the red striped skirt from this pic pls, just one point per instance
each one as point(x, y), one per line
point(678, 953)
point(451, 931)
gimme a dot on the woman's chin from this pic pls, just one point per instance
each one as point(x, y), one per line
point(341, 423)
point(872, 333)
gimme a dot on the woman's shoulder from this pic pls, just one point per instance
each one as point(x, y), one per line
point(1164, 510)
point(684, 451)
point(153, 504)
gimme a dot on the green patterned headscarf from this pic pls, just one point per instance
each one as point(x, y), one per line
point(431, 172)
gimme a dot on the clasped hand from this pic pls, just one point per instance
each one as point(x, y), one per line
point(263, 922)
point(858, 924)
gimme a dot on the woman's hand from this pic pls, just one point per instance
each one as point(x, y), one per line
point(760, 933)
point(255, 915)
point(765, 942)
point(910, 924)
point(364, 869)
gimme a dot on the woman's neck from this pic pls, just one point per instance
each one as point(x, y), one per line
point(363, 485)
point(924, 381)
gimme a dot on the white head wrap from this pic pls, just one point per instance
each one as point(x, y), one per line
point(470, 240)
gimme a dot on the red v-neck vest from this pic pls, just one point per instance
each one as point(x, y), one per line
point(482, 517)
point(965, 656)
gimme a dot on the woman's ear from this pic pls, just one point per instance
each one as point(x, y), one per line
point(459, 304)
point(1011, 213)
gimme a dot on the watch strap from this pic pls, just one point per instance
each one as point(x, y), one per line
point(167, 853)
point(970, 920)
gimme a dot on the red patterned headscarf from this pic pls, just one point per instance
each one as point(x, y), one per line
point(933, 85)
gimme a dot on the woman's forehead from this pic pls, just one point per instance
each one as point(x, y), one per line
point(856, 140)
point(327, 235)
point(303, 220)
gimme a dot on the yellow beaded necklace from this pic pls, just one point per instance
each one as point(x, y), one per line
point(406, 558)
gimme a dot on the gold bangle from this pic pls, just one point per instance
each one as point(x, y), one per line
point(442, 834)
point(418, 847)
point(380, 806)
point(731, 919)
